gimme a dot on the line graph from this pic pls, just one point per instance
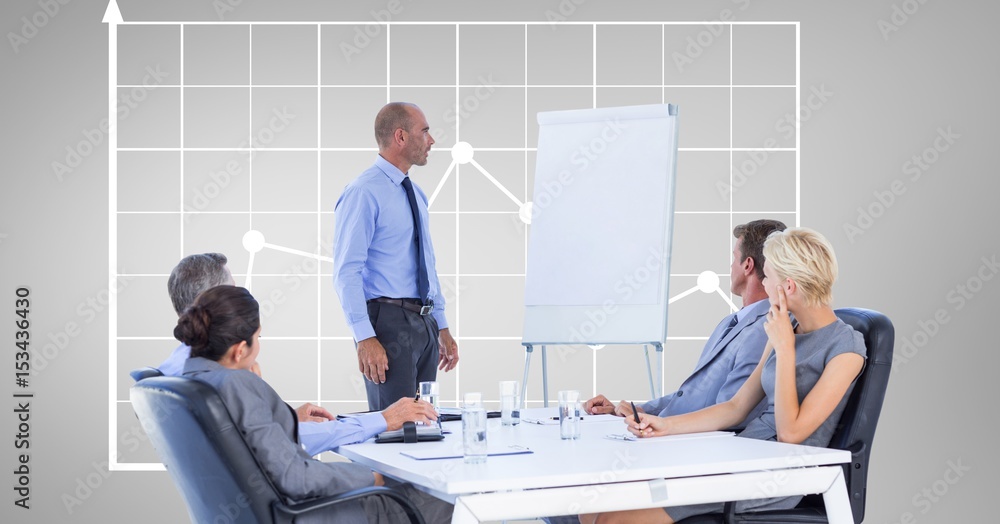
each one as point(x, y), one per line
point(267, 219)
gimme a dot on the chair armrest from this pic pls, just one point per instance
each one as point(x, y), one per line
point(286, 513)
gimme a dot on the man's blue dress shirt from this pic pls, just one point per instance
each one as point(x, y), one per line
point(374, 254)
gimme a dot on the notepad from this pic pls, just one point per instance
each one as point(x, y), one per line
point(424, 433)
point(546, 421)
point(437, 453)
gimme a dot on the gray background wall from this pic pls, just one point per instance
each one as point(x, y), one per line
point(897, 75)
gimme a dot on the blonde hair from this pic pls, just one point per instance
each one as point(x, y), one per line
point(806, 257)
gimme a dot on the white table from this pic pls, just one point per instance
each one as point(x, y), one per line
point(596, 474)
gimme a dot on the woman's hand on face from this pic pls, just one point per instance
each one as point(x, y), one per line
point(778, 325)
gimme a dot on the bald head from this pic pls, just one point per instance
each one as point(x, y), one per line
point(393, 116)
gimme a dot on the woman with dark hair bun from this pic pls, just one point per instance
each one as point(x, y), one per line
point(220, 318)
point(222, 327)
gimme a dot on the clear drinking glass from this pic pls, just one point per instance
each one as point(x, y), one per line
point(569, 414)
point(510, 412)
point(473, 429)
point(431, 392)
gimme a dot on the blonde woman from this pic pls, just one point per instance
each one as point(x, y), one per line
point(805, 375)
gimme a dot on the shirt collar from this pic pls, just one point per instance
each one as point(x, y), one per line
point(390, 170)
point(757, 308)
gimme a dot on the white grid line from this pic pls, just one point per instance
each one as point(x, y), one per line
point(798, 127)
point(112, 230)
point(181, 173)
point(731, 177)
point(458, 120)
point(527, 196)
point(375, 149)
point(250, 128)
point(319, 216)
point(513, 86)
point(451, 22)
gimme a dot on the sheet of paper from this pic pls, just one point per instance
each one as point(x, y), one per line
point(550, 416)
point(625, 435)
point(439, 452)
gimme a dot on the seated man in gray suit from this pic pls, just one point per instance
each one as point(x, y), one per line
point(318, 430)
point(736, 345)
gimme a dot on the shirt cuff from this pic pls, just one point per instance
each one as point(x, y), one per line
point(372, 423)
point(362, 330)
point(439, 318)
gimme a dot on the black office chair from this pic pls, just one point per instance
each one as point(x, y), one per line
point(144, 373)
point(855, 431)
point(211, 464)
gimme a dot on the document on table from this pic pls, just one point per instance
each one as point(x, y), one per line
point(550, 416)
point(440, 452)
point(707, 434)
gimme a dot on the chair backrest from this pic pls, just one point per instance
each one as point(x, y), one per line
point(144, 373)
point(856, 429)
point(203, 450)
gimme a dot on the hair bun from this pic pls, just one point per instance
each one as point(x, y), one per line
point(192, 329)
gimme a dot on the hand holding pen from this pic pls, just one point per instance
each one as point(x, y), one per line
point(644, 425)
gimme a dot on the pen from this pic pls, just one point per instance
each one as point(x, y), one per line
point(416, 398)
point(635, 413)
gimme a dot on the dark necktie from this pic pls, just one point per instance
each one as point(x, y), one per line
point(732, 323)
point(423, 288)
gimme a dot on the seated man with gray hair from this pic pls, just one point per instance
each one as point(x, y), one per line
point(319, 431)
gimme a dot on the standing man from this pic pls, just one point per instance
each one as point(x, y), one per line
point(384, 269)
point(735, 347)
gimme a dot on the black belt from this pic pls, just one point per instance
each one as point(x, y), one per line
point(408, 304)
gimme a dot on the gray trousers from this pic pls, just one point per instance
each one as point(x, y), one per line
point(411, 344)
point(384, 511)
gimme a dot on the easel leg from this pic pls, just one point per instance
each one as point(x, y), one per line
point(545, 379)
point(659, 367)
point(649, 371)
